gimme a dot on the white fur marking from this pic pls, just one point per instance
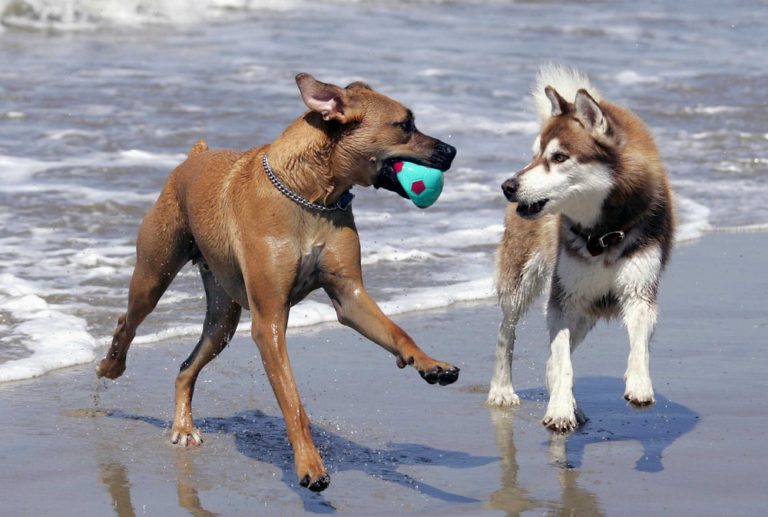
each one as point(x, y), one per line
point(574, 189)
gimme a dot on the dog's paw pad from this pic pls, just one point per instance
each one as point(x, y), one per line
point(317, 485)
point(440, 375)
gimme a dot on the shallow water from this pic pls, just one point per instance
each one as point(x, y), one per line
point(99, 101)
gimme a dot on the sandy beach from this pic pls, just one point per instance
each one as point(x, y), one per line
point(75, 445)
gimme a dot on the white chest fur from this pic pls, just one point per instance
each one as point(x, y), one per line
point(584, 282)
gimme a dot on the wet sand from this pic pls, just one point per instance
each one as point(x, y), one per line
point(74, 445)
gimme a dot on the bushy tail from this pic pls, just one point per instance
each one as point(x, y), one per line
point(566, 80)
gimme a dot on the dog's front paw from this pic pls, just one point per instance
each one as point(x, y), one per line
point(639, 391)
point(560, 424)
point(442, 374)
point(502, 396)
point(317, 484)
point(562, 415)
point(186, 437)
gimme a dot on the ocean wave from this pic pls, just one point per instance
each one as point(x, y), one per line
point(310, 313)
point(710, 110)
point(54, 338)
point(16, 170)
point(445, 122)
point(630, 77)
point(391, 254)
point(84, 15)
point(692, 219)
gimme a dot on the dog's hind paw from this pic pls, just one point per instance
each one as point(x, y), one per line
point(110, 368)
point(187, 438)
point(502, 396)
point(440, 375)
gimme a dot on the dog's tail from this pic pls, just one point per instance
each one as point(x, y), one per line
point(200, 147)
point(565, 80)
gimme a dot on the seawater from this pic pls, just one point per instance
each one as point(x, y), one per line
point(100, 100)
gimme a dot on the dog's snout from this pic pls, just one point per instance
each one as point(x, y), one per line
point(447, 150)
point(443, 155)
point(509, 188)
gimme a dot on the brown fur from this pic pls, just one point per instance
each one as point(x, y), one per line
point(261, 251)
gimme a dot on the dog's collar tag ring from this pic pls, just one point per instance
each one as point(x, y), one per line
point(342, 204)
point(597, 245)
point(611, 239)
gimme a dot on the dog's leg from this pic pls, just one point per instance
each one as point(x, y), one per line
point(640, 319)
point(515, 301)
point(160, 254)
point(356, 309)
point(501, 392)
point(566, 332)
point(270, 319)
point(221, 319)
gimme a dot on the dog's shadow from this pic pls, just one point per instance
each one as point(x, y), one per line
point(610, 420)
point(263, 438)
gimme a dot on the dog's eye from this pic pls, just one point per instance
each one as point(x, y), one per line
point(407, 126)
point(559, 157)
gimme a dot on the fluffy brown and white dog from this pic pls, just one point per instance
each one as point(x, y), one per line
point(591, 217)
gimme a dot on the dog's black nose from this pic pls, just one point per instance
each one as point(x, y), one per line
point(443, 155)
point(446, 150)
point(509, 188)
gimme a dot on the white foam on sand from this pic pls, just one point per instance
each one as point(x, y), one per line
point(54, 338)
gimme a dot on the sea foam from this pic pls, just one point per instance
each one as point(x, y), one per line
point(54, 338)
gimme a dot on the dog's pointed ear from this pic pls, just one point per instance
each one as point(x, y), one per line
point(327, 99)
point(589, 113)
point(559, 105)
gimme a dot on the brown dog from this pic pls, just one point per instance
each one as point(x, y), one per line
point(268, 231)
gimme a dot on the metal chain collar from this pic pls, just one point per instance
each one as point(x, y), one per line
point(342, 204)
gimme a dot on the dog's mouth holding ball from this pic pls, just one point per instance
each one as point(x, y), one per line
point(387, 177)
point(412, 179)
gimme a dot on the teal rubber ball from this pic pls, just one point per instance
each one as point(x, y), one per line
point(422, 184)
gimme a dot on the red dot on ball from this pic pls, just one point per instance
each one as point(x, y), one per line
point(418, 187)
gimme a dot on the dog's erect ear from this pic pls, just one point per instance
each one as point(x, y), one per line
point(327, 99)
point(358, 85)
point(559, 105)
point(588, 112)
